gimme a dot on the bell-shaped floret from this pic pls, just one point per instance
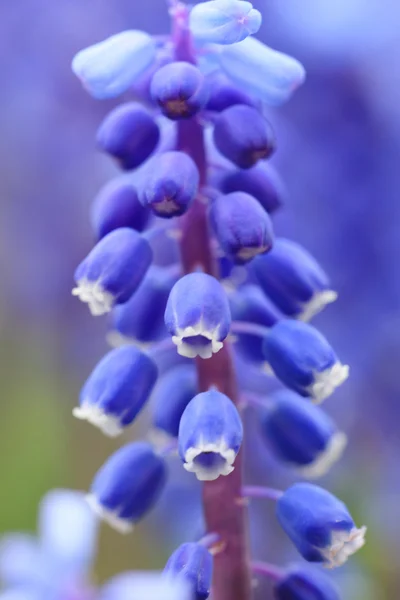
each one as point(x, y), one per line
point(179, 89)
point(263, 72)
point(110, 67)
point(319, 525)
point(117, 390)
point(243, 136)
point(224, 21)
point(224, 94)
point(117, 205)
point(113, 270)
point(210, 435)
point(129, 134)
point(194, 564)
point(198, 315)
point(128, 485)
point(170, 184)
point(242, 227)
point(294, 280)
point(171, 396)
point(301, 357)
point(301, 435)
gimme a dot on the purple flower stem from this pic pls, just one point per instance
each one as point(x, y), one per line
point(223, 514)
point(267, 570)
point(209, 540)
point(254, 491)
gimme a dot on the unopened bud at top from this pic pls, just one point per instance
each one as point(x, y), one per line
point(129, 134)
point(110, 67)
point(224, 21)
point(243, 136)
point(180, 90)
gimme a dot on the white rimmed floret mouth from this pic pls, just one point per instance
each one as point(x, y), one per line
point(326, 459)
point(98, 299)
point(168, 206)
point(109, 424)
point(325, 382)
point(108, 516)
point(247, 253)
point(344, 544)
point(197, 341)
point(197, 460)
point(317, 303)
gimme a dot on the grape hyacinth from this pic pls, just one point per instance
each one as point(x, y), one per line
point(204, 324)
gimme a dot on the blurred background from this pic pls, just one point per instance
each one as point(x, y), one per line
point(339, 154)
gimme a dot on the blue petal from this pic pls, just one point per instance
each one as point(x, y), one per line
point(67, 532)
point(224, 21)
point(172, 395)
point(194, 563)
point(20, 559)
point(261, 71)
point(301, 582)
point(110, 67)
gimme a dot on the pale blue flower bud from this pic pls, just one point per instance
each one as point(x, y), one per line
point(302, 358)
point(224, 21)
point(110, 67)
point(267, 74)
point(301, 434)
point(319, 525)
point(117, 390)
point(128, 485)
point(210, 435)
point(198, 315)
point(194, 563)
point(113, 270)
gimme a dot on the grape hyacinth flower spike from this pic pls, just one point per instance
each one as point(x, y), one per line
point(210, 435)
point(198, 315)
point(206, 192)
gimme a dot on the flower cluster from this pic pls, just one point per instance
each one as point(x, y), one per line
point(189, 267)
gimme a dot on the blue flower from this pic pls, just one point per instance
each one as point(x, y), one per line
point(210, 435)
point(242, 227)
point(319, 525)
point(301, 434)
point(243, 136)
point(224, 21)
point(224, 94)
point(110, 67)
point(249, 304)
point(141, 319)
point(304, 583)
point(194, 563)
point(130, 134)
point(117, 390)
point(293, 279)
point(179, 89)
point(303, 360)
point(198, 315)
point(117, 205)
point(60, 558)
point(170, 184)
point(267, 74)
point(145, 586)
point(113, 270)
point(172, 395)
point(128, 485)
point(261, 181)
